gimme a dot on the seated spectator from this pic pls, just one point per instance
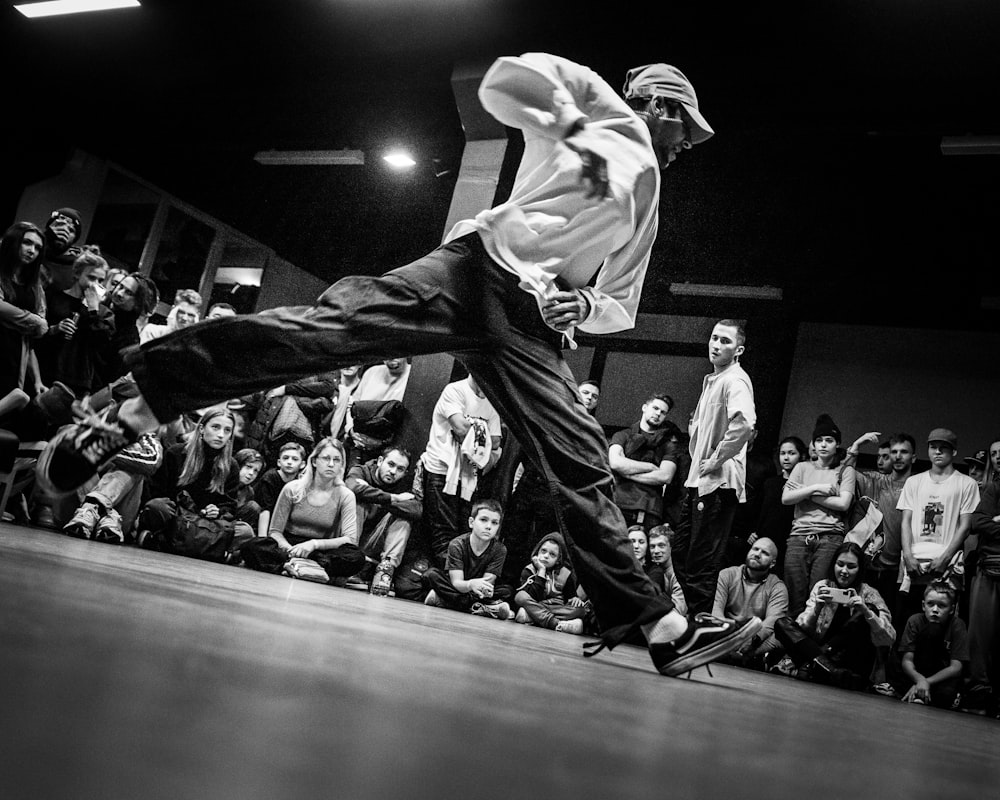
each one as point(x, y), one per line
point(753, 590)
point(835, 639)
point(62, 231)
point(464, 439)
point(220, 311)
point(775, 518)
point(315, 517)
point(108, 511)
point(80, 326)
point(185, 311)
point(548, 595)
point(821, 494)
point(291, 462)
point(474, 562)
point(388, 503)
point(640, 544)
point(660, 566)
point(935, 650)
point(198, 475)
point(643, 458)
point(250, 463)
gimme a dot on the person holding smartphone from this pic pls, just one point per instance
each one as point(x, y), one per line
point(835, 640)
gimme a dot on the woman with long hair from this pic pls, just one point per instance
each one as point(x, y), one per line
point(199, 474)
point(836, 638)
point(22, 306)
point(315, 518)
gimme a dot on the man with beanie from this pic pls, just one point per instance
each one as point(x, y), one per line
point(569, 249)
point(62, 232)
point(720, 428)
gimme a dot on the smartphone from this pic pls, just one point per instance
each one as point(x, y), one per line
point(838, 595)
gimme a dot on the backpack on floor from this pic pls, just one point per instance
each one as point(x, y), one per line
point(195, 536)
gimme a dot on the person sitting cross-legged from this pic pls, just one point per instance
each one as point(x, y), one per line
point(549, 595)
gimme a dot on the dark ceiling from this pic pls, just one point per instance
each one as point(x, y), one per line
point(825, 176)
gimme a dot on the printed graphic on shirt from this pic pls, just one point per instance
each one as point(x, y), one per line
point(932, 532)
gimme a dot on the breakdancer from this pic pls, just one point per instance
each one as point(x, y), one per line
point(504, 294)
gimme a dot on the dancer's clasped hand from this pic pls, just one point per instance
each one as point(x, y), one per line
point(565, 309)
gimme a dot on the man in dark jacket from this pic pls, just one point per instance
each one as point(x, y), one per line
point(388, 504)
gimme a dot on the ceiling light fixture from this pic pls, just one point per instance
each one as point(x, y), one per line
point(52, 8)
point(309, 157)
point(716, 290)
point(970, 145)
point(399, 160)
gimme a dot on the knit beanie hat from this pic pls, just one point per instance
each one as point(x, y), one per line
point(825, 426)
point(73, 214)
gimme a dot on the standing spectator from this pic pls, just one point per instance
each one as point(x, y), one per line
point(822, 495)
point(883, 459)
point(885, 490)
point(22, 316)
point(80, 326)
point(388, 501)
point(185, 311)
point(937, 508)
point(590, 392)
point(753, 589)
point(775, 520)
point(993, 462)
point(385, 381)
point(720, 427)
point(450, 473)
point(984, 604)
point(643, 458)
point(62, 232)
point(220, 311)
point(133, 297)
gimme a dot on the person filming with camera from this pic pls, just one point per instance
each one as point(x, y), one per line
point(835, 640)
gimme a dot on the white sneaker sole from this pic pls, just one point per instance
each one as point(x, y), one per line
point(706, 655)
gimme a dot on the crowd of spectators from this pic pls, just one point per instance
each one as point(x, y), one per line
point(884, 580)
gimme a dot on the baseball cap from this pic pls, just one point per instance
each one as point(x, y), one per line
point(663, 80)
point(978, 458)
point(943, 435)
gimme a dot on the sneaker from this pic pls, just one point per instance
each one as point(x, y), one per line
point(706, 639)
point(497, 610)
point(109, 529)
point(77, 451)
point(570, 626)
point(522, 617)
point(84, 521)
point(885, 689)
point(785, 667)
point(382, 579)
point(433, 600)
point(975, 700)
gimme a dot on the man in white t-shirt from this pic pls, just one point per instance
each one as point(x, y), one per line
point(449, 474)
point(385, 381)
point(937, 508)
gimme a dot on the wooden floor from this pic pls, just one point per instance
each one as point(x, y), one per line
point(130, 674)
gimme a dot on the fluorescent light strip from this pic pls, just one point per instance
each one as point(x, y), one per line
point(716, 290)
point(309, 157)
point(52, 8)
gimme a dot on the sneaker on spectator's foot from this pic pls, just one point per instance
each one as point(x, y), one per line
point(497, 609)
point(78, 451)
point(433, 600)
point(522, 617)
point(706, 639)
point(381, 584)
point(109, 529)
point(976, 699)
point(917, 701)
point(84, 521)
point(785, 667)
point(885, 689)
point(570, 626)
point(56, 403)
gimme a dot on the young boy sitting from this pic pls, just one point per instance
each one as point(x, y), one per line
point(934, 648)
point(475, 560)
point(291, 459)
